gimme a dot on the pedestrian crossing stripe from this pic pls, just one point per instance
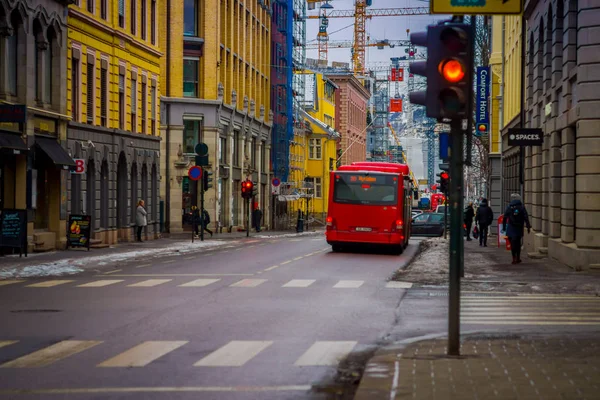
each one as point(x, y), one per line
point(299, 283)
point(101, 283)
point(236, 353)
point(51, 283)
point(199, 283)
point(150, 283)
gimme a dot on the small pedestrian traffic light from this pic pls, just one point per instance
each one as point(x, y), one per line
point(207, 180)
point(247, 189)
point(443, 181)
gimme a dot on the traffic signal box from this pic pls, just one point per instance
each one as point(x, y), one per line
point(448, 69)
point(207, 180)
point(247, 189)
point(443, 181)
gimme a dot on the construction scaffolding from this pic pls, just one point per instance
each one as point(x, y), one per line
point(378, 134)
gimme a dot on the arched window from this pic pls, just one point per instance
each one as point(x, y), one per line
point(104, 195)
point(40, 46)
point(13, 53)
point(134, 191)
point(48, 60)
point(91, 192)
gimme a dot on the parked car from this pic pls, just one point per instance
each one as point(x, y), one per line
point(440, 209)
point(428, 224)
point(416, 212)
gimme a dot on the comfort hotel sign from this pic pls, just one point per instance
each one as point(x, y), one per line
point(13, 113)
point(482, 102)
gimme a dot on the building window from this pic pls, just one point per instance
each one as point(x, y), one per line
point(133, 17)
point(122, 13)
point(253, 162)
point(191, 135)
point(153, 22)
point(103, 96)
point(90, 6)
point(328, 120)
point(75, 89)
point(144, 106)
point(36, 71)
point(48, 57)
point(317, 187)
point(190, 77)
point(133, 105)
point(13, 68)
point(190, 18)
point(144, 12)
point(153, 110)
point(263, 158)
point(236, 148)
point(314, 149)
point(90, 91)
point(104, 9)
point(223, 151)
point(122, 101)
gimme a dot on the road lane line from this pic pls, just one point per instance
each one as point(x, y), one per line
point(248, 283)
point(50, 283)
point(10, 282)
point(143, 265)
point(285, 262)
point(150, 283)
point(189, 258)
point(163, 389)
point(168, 262)
point(4, 343)
point(309, 255)
point(348, 284)
point(113, 272)
point(51, 354)
point(270, 268)
point(142, 354)
point(295, 240)
point(200, 283)
point(101, 283)
point(298, 258)
point(504, 322)
point(325, 353)
point(175, 275)
point(300, 283)
point(234, 354)
point(398, 285)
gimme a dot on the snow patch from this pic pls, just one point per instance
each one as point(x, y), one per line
point(286, 235)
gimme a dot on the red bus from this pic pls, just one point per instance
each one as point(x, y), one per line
point(369, 203)
point(437, 199)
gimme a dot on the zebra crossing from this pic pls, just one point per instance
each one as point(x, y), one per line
point(139, 283)
point(530, 310)
point(236, 353)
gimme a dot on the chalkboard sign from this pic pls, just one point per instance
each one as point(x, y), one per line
point(13, 230)
point(79, 231)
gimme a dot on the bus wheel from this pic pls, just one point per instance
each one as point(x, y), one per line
point(336, 248)
point(397, 250)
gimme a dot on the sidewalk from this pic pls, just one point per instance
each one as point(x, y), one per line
point(514, 367)
point(74, 261)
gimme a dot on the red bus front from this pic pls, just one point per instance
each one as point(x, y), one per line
point(366, 207)
point(437, 199)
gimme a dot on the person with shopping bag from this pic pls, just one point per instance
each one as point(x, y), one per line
point(483, 218)
point(514, 222)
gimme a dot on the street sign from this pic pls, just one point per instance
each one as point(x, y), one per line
point(444, 145)
point(525, 137)
point(482, 104)
point(275, 182)
point(195, 173)
point(201, 149)
point(13, 113)
point(476, 7)
point(79, 166)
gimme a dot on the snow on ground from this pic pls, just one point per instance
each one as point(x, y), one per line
point(73, 266)
point(286, 235)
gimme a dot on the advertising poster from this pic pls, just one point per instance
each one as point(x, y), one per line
point(79, 231)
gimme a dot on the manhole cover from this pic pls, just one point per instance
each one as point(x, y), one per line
point(35, 311)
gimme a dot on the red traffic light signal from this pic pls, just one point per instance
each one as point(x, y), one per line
point(452, 70)
point(444, 175)
point(247, 189)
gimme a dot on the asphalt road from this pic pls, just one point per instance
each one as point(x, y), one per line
point(257, 319)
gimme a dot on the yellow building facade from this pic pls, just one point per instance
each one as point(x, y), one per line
point(113, 98)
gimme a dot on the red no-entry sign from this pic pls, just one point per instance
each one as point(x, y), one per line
point(195, 173)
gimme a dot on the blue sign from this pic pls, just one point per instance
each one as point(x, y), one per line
point(195, 173)
point(482, 102)
point(276, 182)
point(444, 145)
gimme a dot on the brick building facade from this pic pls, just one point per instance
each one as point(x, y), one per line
point(562, 95)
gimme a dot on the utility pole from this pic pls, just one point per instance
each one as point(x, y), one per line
point(202, 206)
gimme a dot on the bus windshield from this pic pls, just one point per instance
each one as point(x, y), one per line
point(365, 188)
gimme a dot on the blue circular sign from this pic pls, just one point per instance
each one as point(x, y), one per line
point(195, 173)
point(276, 182)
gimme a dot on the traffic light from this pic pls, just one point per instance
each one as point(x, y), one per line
point(207, 180)
point(448, 69)
point(443, 181)
point(247, 189)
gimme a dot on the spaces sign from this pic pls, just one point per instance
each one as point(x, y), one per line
point(482, 102)
point(525, 137)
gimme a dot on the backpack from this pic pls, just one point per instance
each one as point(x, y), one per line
point(516, 217)
point(206, 217)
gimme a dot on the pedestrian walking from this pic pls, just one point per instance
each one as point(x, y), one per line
point(483, 218)
point(469, 215)
point(257, 218)
point(140, 219)
point(206, 221)
point(514, 222)
point(196, 221)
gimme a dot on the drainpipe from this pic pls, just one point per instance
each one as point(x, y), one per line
point(168, 123)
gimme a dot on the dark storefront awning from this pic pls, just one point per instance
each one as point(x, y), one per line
point(55, 151)
point(12, 141)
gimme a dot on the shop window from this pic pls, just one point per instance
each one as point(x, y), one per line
point(122, 13)
point(104, 9)
point(134, 105)
point(190, 18)
point(103, 96)
point(122, 101)
point(90, 90)
point(191, 135)
point(133, 16)
point(144, 106)
point(314, 149)
point(75, 88)
point(190, 76)
point(153, 22)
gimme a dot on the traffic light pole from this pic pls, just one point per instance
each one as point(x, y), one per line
point(456, 234)
point(446, 214)
point(202, 206)
point(248, 216)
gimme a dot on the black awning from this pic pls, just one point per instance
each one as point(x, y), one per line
point(55, 151)
point(12, 141)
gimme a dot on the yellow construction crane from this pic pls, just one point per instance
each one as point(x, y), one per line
point(412, 176)
point(360, 15)
point(380, 44)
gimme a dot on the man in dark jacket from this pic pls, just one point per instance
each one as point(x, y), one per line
point(483, 218)
point(257, 218)
point(469, 215)
point(206, 221)
point(514, 221)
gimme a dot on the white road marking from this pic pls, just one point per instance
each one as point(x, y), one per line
point(150, 283)
point(10, 282)
point(248, 283)
point(142, 354)
point(299, 283)
point(4, 343)
point(325, 353)
point(143, 265)
point(175, 275)
point(50, 283)
point(51, 354)
point(348, 284)
point(298, 258)
point(295, 240)
point(160, 389)
point(101, 283)
point(189, 258)
point(285, 262)
point(199, 283)
point(271, 268)
point(168, 262)
point(398, 285)
point(233, 354)
point(113, 272)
